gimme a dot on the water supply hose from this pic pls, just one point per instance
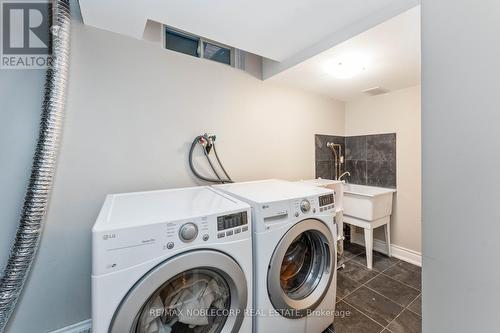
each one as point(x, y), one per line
point(217, 180)
point(43, 169)
point(205, 152)
point(220, 163)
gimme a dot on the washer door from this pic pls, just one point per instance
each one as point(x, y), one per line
point(301, 268)
point(200, 291)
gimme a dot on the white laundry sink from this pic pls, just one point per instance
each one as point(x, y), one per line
point(367, 202)
point(369, 207)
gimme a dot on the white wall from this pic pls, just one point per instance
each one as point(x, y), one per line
point(133, 110)
point(396, 112)
point(461, 159)
point(20, 106)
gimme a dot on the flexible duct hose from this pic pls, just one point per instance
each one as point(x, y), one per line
point(44, 165)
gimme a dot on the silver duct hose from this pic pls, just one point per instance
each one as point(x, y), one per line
point(44, 165)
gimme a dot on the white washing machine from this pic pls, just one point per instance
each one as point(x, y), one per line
point(294, 242)
point(172, 261)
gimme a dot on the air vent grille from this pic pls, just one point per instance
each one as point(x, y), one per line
point(376, 91)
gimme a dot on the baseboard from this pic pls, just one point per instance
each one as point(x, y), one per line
point(81, 327)
point(399, 252)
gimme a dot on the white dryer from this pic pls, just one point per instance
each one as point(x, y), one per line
point(172, 261)
point(294, 244)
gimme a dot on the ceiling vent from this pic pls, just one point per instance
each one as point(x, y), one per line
point(376, 91)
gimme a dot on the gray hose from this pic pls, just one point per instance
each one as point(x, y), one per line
point(212, 166)
point(220, 164)
point(191, 164)
point(217, 180)
point(44, 165)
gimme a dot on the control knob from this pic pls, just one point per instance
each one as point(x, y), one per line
point(305, 206)
point(188, 232)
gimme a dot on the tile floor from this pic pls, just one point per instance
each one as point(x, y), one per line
point(384, 300)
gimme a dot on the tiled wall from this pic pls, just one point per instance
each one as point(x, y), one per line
point(324, 158)
point(371, 159)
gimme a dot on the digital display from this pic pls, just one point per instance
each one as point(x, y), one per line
point(325, 200)
point(231, 221)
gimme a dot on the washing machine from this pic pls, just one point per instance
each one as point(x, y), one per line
point(294, 244)
point(172, 261)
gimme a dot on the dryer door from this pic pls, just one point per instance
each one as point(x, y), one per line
point(200, 291)
point(301, 268)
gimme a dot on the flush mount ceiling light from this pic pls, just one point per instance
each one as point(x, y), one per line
point(346, 67)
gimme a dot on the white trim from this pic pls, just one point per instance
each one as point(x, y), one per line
point(81, 327)
point(413, 257)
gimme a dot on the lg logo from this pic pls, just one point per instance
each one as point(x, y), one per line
point(108, 236)
point(26, 34)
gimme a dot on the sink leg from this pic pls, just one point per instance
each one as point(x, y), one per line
point(387, 229)
point(369, 247)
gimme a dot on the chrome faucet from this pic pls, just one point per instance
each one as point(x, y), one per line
point(338, 158)
point(347, 173)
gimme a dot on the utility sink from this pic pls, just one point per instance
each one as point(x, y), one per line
point(367, 202)
point(369, 207)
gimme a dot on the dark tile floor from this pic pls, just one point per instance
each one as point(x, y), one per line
point(386, 299)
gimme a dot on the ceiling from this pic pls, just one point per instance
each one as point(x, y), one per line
point(391, 53)
point(283, 31)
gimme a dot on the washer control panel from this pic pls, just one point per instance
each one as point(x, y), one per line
point(135, 228)
point(232, 224)
point(326, 202)
point(311, 205)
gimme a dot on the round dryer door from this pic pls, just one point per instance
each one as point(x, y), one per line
point(301, 268)
point(200, 292)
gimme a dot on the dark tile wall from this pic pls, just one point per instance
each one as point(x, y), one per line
point(325, 167)
point(371, 159)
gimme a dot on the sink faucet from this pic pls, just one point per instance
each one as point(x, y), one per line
point(337, 157)
point(347, 173)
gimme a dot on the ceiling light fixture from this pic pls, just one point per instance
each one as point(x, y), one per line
point(346, 67)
